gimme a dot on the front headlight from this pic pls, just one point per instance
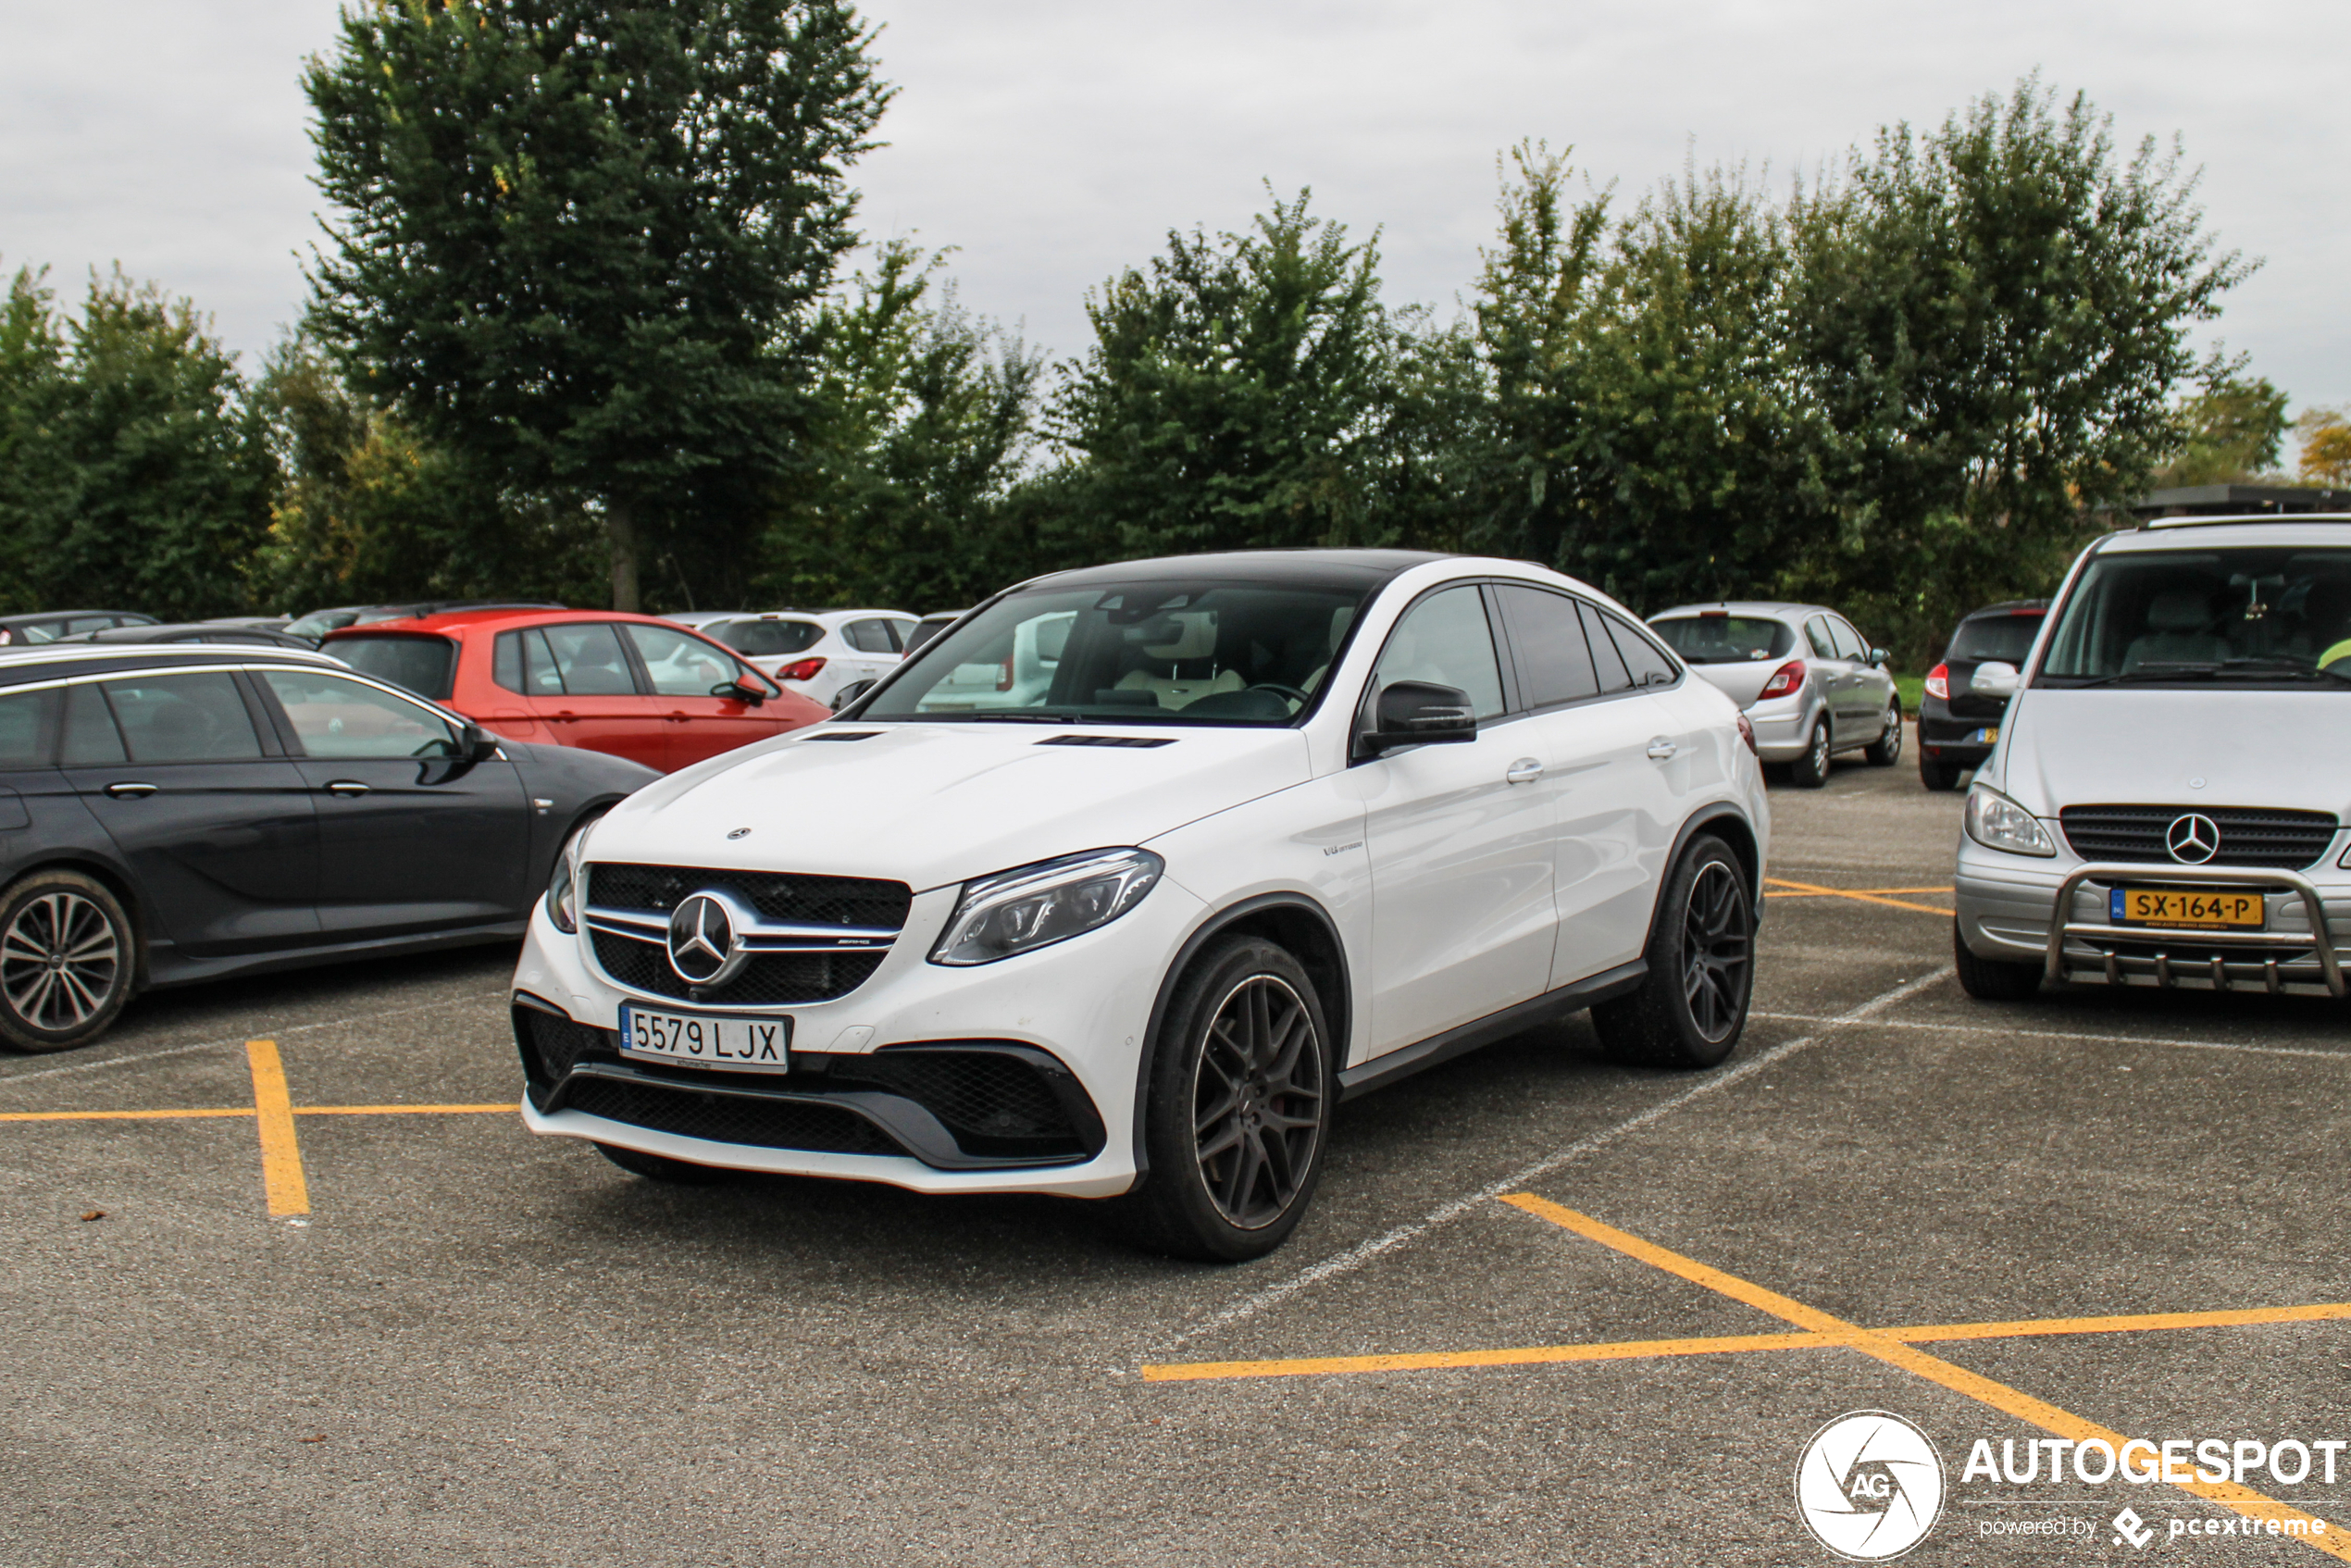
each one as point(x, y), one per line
point(1999, 823)
point(1035, 906)
point(562, 889)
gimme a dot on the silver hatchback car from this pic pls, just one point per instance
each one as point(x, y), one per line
point(2166, 803)
point(1809, 684)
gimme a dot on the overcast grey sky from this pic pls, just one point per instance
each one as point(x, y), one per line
point(1055, 141)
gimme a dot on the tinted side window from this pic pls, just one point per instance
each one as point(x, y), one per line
point(588, 661)
point(1850, 644)
point(1816, 632)
point(24, 728)
point(1554, 662)
point(335, 716)
point(1646, 666)
point(680, 665)
point(869, 637)
point(1606, 662)
point(1445, 639)
point(183, 718)
point(91, 737)
point(505, 662)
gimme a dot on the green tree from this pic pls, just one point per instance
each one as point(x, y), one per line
point(927, 417)
point(2231, 426)
point(1232, 396)
point(132, 471)
point(2326, 446)
point(581, 242)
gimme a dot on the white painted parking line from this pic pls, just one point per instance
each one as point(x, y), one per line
point(1363, 1252)
point(237, 1043)
point(2344, 1055)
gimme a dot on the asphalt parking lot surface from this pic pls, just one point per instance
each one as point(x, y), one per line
point(1546, 1310)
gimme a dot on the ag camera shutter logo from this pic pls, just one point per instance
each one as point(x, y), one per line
point(1869, 1486)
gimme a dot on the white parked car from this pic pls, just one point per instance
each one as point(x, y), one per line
point(1250, 834)
point(815, 653)
point(2165, 803)
point(698, 620)
point(1811, 684)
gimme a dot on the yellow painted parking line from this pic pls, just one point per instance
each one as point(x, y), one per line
point(1813, 890)
point(400, 1109)
point(120, 1116)
point(2138, 1323)
point(281, 1175)
point(2242, 1500)
point(1531, 1355)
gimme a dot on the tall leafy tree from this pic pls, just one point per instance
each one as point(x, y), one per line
point(2231, 426)
point(132, 471)
point(1233, 391)
point(580, 241)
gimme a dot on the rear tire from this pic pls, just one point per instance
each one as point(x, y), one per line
point(1238, 1109)
point(68, 960)
point(1993, 979)
point(1886, 750)
point(1939, 776)
point(1811, 770)
point(661, 1167)
point(1691, 1008)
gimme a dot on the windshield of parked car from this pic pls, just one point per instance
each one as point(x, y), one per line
point(767, 640)
point(1156, 652)
point(1723, 639)
point(2197, 617)
point(424, 664)
point(2007, 637)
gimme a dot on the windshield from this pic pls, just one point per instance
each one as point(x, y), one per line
point(2192, 617)
point(767, 639)
point(2006, 638)
point(1161, 653)
point(422, 664)
point(1722, 639)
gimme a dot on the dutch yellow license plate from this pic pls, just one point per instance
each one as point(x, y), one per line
point(2218, 911)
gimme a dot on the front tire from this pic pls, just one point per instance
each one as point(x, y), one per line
point(1238, 1108)
point(68, 960)
point(1692, 1007)
point(1886, 750)
point(1992, 979)
point(1811, 770)
point(1938, 776)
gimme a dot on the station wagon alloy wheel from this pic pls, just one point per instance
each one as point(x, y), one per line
point(65, 962)
point(1257, 1102)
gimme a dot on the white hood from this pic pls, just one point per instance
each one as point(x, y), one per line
point(930, 804)
point(2125, 746)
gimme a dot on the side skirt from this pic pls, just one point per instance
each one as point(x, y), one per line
point(1381, 1071)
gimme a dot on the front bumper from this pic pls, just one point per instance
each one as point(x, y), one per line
point(2008, 910)
point(1080, 1008)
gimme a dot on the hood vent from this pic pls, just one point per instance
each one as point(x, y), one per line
point(1137, 741)
point(843, 734)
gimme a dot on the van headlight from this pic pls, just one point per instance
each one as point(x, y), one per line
point(562, 889)
point(1034, 906)
point(1999, 823)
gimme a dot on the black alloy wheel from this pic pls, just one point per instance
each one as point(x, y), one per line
point(67, 959)
point(1692, 1006)
point(1811, 770)
point(1886, 750)
point(1239, 1107)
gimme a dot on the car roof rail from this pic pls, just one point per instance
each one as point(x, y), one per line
point(2199, 522)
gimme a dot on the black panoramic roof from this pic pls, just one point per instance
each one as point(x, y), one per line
point(1363, 568)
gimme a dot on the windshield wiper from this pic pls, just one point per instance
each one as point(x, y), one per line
point(2279, 665)
point(2268, 668)
point(2145, 676)
point(1016, 715)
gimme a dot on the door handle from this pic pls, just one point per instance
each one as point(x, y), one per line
point(346, 786)
point(1660, 749)
point(1526, 770)
point(131, 791)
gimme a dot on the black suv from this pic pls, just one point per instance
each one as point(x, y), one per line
point(1957, 725)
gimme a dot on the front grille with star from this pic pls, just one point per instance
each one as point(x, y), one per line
point(2285, 841)
point(817, 937)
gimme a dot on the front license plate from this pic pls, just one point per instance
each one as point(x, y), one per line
point(1989, 737)
point(2188, 911)
point(698, 1039)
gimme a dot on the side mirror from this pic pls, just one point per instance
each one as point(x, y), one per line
point(1420, 713)
point(739, 690)
point(478, 744)
point(850, 693)
point(1995, 680)
point(1880, 658)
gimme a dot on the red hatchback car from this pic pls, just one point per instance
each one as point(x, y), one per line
point(639, 688)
